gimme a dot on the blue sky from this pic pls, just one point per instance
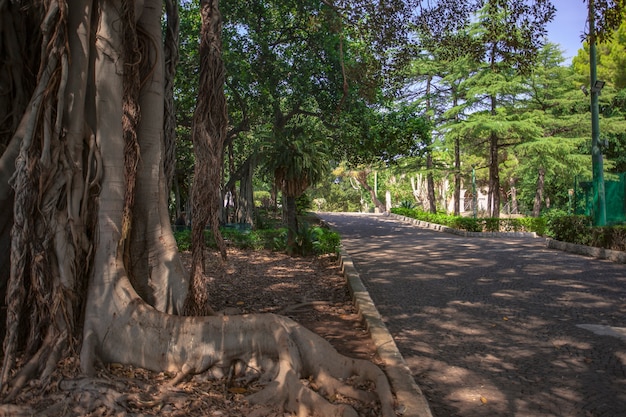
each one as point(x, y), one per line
point(568, 25)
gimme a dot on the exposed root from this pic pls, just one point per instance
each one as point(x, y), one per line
point(298, 370)
point(300, 306)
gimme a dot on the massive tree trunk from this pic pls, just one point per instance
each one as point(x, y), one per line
point(91, 240)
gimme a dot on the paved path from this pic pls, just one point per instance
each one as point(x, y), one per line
point(496, 327)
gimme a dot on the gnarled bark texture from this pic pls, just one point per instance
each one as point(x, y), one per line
point(93, 263)
point(209, 134)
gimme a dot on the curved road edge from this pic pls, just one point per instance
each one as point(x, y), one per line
point(410, 399)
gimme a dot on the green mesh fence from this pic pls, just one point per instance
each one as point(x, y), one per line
point(615, 197)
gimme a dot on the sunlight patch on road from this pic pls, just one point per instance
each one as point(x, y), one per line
point(600, 330)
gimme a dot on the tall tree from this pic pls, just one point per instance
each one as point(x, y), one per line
point(554, 158)
point(91, 240)
point(505, 44)
point(297, 161)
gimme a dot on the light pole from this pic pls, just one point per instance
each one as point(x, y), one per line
point(599, 202)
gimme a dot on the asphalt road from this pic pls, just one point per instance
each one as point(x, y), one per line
point(496, 326)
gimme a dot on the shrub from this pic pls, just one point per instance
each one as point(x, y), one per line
point(263, 199)
point(325, 241)
point(470, 224)
point(408, 204)
point(568, 228)
point(183, 239)
point(467, 223)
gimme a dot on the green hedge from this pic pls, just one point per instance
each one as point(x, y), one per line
point(470, 224)
point(556, 224)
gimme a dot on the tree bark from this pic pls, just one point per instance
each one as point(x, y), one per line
point(292, 223)
point(209, 134)
point(361, 177)
point(171, 60)
point(539, 192)
point(430, 181)
point(494, 177)
point(77, 237)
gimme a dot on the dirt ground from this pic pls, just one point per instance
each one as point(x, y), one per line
point(310, 290)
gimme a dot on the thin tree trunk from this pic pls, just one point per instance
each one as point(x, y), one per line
point(245, 206)
point(430, 181)
point(361, 177)
point(539, 192)
point(494, 178)
point(514, 204)
point(292, 224)
point(457, 167)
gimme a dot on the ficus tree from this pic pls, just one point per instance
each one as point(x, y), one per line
point(93, 265)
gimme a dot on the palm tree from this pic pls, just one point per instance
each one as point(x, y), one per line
point(298, 158)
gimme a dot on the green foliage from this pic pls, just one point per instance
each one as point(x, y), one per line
point(262, 199)
point(311, 239)
point(317, 240)
point(335, 194)
point(371, 136)
point(298, 157)
point(183, 239)
point(579, 229)
point(303, 204)
point(609, 237)
point(471, 224)
point(326, 241)
point(569, 228)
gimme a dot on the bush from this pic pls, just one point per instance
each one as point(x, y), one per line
point(471, 224)
point(183, 239)
point(325, 241)
point(556, 224)
point(568, 228)
point(311, 239)
point(262, 199)
point(609, 237)
point(467, 223)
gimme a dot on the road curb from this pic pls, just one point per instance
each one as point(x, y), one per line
point(410, 399)
point(591, 251)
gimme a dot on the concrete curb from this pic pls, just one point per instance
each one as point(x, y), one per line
point(410, 399)
point(599, 253)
